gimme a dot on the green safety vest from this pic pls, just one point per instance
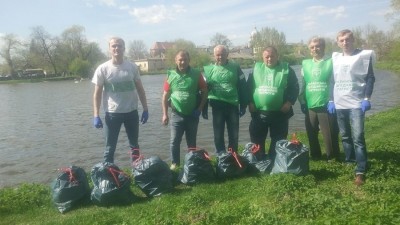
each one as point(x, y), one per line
point(222, 82)
point(270, 84)
point(184, 89)
point(317, 76)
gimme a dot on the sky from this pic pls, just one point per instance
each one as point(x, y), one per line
point(197, 21)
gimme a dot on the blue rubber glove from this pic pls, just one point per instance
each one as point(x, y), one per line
point(303, 108)
point(196, 113)
point(365, 105)
point(145, 117)
point(331, 108)
point(97, 122)
point(242, 111)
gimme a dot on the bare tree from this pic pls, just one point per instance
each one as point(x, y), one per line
point(369, 37)
point(220, 39)
point(10, 46)
point(394, 15)
point(137, 50)
point(44, 46)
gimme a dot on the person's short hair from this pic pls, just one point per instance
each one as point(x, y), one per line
point(117, 39)
point(271, 49)
point(318, 39)
point(183, 52)
point(223, 47)
point(344, 32)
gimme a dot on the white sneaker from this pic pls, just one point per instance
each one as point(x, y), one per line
point(173, 166)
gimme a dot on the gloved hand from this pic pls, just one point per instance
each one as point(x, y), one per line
point(331, 107)
point(242, 111)
point(145, 117)
point(205, 115)
point(97, 122)
point(196, 113)
point(365, 105)
point(303, 108)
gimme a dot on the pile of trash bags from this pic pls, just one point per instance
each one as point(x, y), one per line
point(153, 176)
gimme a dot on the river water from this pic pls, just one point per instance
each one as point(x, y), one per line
point(48, 125)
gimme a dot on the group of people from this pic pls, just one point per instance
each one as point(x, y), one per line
point(334, 96)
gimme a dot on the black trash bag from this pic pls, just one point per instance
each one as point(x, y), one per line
point(152, 175)
point(197, 168)
point(111, 185)
point(291, 157)
point(230, 165)
point(258, 162)
point(70, 188)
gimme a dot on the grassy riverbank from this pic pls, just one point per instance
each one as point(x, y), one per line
point(326, 196)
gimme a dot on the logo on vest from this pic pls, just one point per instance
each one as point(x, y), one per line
point(316, 72)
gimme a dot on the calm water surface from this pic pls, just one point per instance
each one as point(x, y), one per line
point(45, 126)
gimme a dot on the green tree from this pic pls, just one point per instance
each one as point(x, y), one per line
point(198, 58)
point(268, 37)
point(74, 46)
point(80, 67)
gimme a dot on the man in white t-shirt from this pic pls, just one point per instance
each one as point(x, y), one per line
point(353, 83)
point(117, 88)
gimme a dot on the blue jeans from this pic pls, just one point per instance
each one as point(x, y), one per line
point(229, 114)
point(180, 125)
point(351, 128)
point(112, 128)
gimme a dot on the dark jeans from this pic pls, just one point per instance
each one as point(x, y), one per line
point(180, 125)
point(276, 122)
point(224, 113)
point(316, 119)
point(112, 128)
point(351, 127)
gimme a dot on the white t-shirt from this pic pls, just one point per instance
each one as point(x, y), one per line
point(119, 90)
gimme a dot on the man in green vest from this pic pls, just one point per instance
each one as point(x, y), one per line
point(314, 97)
point(273, 89)
point(181, 88)
point(227, 96)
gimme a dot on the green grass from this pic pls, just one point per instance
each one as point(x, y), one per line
point(326, 196)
